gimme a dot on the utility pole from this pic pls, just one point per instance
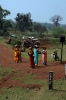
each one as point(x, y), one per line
point(62, 40)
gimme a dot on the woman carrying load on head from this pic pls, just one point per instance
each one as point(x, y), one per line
point(36, 51)
point(16, 53)
point(20, 57)
point(31, 57)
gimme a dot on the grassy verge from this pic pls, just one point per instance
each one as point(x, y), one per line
point(58, 92)
point(4, 72)
point(18, 93)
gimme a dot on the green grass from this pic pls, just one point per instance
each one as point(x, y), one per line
point(2, 39)
point(29, 79)
point(25, 54)
point(17, 76)
point(4, 71)
point(19, 93)
point(58, 92)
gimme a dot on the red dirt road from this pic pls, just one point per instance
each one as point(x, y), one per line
point(6, 59)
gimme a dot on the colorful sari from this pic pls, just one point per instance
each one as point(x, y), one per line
point(44, 57)
point(36, 56)
point(31, 58)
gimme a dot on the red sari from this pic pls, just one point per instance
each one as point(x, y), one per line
point(31, 58)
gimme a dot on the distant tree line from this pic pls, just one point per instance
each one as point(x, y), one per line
point(23, 23)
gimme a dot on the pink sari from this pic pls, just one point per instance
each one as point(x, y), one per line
point(44, 57)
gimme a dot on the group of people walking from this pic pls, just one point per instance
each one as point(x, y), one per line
point(33, 56)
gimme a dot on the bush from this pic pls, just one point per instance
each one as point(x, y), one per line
point(14, 41)
point(4, 33)
point(57, 32)
point(1, 32)
point(7, 34)
point(55, 41)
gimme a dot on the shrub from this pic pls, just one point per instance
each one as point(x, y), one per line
point(14, 41)
point(58, 31)
point(1, 32)
point(4, 33)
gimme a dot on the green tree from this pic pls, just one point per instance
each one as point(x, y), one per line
point(39, 28)
point(3, 14)
point(3, 23)
point(6, 25)
point(23, 21)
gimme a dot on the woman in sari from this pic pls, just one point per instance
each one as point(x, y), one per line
point(31, 57)
point(36, 55)
point(44, 56)
point(16, 53)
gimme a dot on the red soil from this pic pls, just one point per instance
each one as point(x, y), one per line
point(6, 59)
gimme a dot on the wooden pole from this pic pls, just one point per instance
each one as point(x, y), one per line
point(50, 80)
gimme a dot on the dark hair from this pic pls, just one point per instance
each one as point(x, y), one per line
point(44, 48)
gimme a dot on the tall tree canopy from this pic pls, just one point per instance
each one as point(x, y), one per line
point(24, 21)
point(56, 19)
point(3, 14)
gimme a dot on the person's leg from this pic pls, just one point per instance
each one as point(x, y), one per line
point(58, 58)
point(45, 63)
point(55, 57)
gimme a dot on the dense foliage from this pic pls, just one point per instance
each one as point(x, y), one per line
point(24, 21)
point(4, 24)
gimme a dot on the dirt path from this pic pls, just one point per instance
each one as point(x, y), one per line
point(6, 59)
